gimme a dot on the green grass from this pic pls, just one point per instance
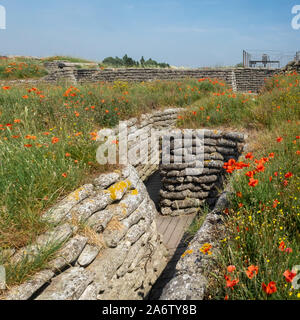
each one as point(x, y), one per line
point(67, 58)
point(260, 217)
point(21, 68)
point(197, 223)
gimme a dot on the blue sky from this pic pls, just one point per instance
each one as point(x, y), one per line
point(181, 32)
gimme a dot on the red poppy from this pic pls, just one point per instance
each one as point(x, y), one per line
point(270, 288)
point(288, 175)
point(231, 268)
point(250, 174)
point(252, 270)
point(260, 168)
point(279, 139)
point(54, 140)
point(289, 275)
point(249, 156)
point(253, 182)
point(281, 246)
point(231, 283)
point(64, 175)
point(275, 203)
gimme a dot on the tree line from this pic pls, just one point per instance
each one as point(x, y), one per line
point(128, 62)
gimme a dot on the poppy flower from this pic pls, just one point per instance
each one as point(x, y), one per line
point(231, 268)
point(275, 203)
point(6, 88)
point(25, 97)
point(54, 140)
point(260, 168)
point(252, 270)
point(27, 145)
point(239, 194)
point(64, 175)
point(17, 121)
point(281, 246)
point(288, 175)
point(68, 154)
point(250, 174)
point(279, 139)
point(289, 275)
point(253, 182)
point(270, 288)
point(231, 283)
point(249, 156)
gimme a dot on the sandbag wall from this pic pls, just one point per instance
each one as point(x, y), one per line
point(109, 245)
point(186, 186)
point(244, 79)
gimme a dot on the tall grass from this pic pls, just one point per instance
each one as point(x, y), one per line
point(11, 69)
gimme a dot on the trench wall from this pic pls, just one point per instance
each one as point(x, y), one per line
point(241, 79)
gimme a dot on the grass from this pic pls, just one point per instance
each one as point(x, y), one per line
point(263, 221)
point(197, 223)
point(47, 142)
point(21, 68)
point(67, 58)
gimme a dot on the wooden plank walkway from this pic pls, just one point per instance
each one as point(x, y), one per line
point(172, 230)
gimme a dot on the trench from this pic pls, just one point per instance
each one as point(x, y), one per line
point(173, 232)
point(179, 193)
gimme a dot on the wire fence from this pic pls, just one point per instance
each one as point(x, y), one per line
point(268, 58)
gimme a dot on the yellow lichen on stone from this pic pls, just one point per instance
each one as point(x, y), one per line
point(118, 187)
point(75, 194)
point(134, 192)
